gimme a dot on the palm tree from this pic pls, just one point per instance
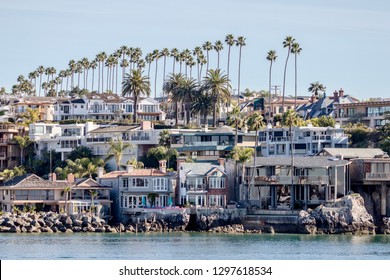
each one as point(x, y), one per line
point(240, 43)
point(67, 190)
point(271, 57)
point(93, 193)
point(236, 119)
point(296, 50)
point(229, 40)
point(164, 138)
point(23, 142)
point(134, 85)
point(40, 71)
point(93, 66)
point(117, 147)
point(202, 104)
point(171, 86)
point(72, 68)
point(291, 119)
point(185, 93)
point(198, 53)
point(218, 86)
point(164, 53)
point(218, 47)
point(156, 55)
point(149, 59)
point(207, 46)
point(242, 155)
point(287, 43)
point(316, 87)
point(100, 58)
point(174, 54)
point(255, 122)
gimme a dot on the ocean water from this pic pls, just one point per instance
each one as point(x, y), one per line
point(193, 246)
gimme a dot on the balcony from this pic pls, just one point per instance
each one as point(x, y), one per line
point(377, 176)
point(286, 180)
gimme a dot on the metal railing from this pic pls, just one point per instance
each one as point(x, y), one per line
point(298, 180)
point(378, 176)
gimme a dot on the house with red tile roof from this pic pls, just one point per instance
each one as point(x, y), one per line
point(134, 190)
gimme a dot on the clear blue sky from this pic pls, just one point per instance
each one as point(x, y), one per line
point(345, 43)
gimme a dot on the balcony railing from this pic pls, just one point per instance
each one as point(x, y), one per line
point(377, 176)
point(286, 180)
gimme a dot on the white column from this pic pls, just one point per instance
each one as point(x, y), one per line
point(383, 199)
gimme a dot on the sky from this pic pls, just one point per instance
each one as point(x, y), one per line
point(344, 43)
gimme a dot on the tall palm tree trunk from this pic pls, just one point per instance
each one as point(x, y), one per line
point(269, 93)
point(239, 76)
point(284, 80)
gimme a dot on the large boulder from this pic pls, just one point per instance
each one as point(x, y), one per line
point(344, 215)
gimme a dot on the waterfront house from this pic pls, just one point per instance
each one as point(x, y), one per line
point(370, 174)
point(306, 140)
point(202, 184)
point(134, 189)
point(208, 144)
point(68, 196)
point(9, 149)
point(62, 138)
point(371, 113)
point(271, 184)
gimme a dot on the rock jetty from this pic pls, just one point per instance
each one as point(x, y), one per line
point(49, 222)
point(346, 215)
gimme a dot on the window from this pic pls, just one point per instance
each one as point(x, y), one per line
point(125, 183)
point(217, 200)
point(140, 182)
point(125, 201)
point(121, 202)
point(217, 182)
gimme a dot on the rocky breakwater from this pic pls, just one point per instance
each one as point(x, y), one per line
point(49, 222)
point(346, 215)
point(156, 222)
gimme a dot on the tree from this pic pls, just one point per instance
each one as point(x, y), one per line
point(218, 86)
point(93, 194)
point(323, 121)
point(229, 40)
point(316, 87)
point(207, 46)
point(218, 47)
point(291, 119)
point(171, 87)
point(80, 152)
point(287, 43)
point(136, 85)
point(164, 138)
point(162, 153)
point(202, 104)
point(116, 150)
point(271, 57)
point(240, 43)
point(156, 56)
point(185, 93)
point(242, 155)
point(255, 122)
point(296, 50)
point(7, 174)
point(236, 119)
point(23, 142)
point(67, 191)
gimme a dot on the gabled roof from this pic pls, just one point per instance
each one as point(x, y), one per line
point(200, 168)
point(88, 183)
point(300, 162)
point(32, 181)
point(135, 173)
point(349, 153)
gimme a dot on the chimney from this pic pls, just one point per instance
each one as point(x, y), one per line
point(336, 96)
point(100, 171)
point(146, 125)
point(53, 177)
point(341, 92)
point(313, 98)
point(162, 166)
point(70, 178)
point(221, 162)
point(179, 161)
point(129, 168)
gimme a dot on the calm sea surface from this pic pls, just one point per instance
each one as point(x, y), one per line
point(188, 246)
